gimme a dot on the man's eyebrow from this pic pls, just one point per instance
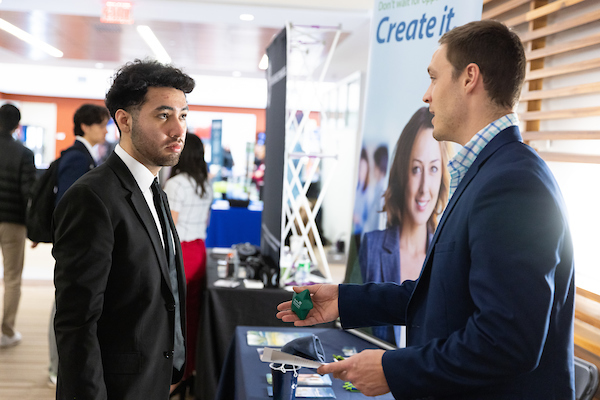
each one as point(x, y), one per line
point(169, 108)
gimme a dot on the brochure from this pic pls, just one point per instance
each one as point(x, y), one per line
point(312, 392)
point(307, 380)
point(279, 357)
point(271, 338)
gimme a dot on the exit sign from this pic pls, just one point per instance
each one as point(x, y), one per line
point(116, 12)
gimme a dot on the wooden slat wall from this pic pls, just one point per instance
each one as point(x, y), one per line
point(537, 14)
point(534, 22)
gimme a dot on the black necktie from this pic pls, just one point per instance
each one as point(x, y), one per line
point(161, 209)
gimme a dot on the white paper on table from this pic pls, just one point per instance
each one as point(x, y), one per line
point(277, 356)
point(226, 283)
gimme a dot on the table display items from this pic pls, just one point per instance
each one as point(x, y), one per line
point(296, 266)
point(302, 268)
point(306, 351)
point(245, 261)
point(285, 381)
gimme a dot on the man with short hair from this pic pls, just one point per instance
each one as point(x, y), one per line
point(491, 315)
point(120, 285)
point(17, 175)
point(89, 126)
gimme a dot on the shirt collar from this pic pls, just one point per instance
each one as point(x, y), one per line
point(87, 144)
point(141, 174)
point(462, 161)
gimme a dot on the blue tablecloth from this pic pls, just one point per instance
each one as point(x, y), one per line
point(243, 376)
point(233, 226)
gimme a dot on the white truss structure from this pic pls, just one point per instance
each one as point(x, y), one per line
point(305, 48)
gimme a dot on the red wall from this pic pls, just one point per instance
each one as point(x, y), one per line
point(66, 107)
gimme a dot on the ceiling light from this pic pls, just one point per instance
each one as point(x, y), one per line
point(26, 37)
point(152, 41)
point(247, 17)
point(264, 62)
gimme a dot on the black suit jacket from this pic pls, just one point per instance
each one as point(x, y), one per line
point(115, 309)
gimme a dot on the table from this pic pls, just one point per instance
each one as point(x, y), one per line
point(224, 309)
point(232, 226)
point(244, 375)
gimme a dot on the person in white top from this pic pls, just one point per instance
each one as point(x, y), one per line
point(190, 196)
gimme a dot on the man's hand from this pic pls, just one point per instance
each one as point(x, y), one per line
point(364, 370)
point(325, 306)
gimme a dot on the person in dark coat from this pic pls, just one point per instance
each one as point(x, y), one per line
point(17, 175)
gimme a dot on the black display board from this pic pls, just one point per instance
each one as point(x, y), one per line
point(270, 238)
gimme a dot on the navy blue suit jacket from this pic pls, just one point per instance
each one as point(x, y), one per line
point(491, 316)
point(75, 161)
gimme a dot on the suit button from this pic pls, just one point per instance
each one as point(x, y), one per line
point(171, 307)
point(168, 354)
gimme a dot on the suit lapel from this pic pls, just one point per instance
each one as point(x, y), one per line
point(142, 211)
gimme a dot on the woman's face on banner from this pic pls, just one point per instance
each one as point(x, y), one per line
point(424, 177)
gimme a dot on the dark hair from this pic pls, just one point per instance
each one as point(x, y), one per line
point(192, 162)
point(395, 194)
point(89, 114)
point(496, 50)
point(364, 156)
point(9, 118)
point(380, 158)
point(131, 83)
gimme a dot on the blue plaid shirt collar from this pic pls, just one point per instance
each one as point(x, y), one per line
point(462, 161)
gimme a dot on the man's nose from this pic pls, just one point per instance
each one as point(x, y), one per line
point(179, 128)
point(427, 96)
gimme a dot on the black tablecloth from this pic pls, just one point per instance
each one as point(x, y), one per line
point(244, 375)
point(223, 310)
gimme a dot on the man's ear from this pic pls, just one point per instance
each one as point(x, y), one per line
point(472, 78)
point(124, 121)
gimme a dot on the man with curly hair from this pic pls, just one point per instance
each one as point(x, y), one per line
point(120, 285)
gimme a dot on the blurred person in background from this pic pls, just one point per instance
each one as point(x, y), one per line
point(17, 175)
point(89, 126)
point(190, 196)
point(89, 123)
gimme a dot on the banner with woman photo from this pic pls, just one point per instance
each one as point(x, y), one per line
point(392, 226)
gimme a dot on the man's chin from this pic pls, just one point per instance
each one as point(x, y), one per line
point(169, 161)
point(438, 135)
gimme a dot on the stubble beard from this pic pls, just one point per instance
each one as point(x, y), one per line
point(148, 151)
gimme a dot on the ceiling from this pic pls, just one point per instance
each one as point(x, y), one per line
point(202, 37)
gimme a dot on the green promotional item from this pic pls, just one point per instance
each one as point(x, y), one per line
point(302, 304)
